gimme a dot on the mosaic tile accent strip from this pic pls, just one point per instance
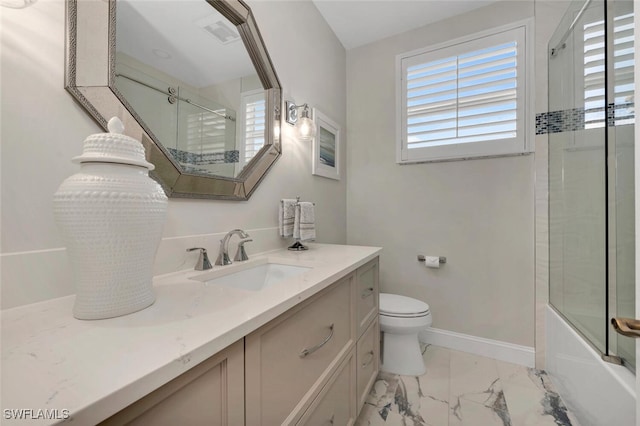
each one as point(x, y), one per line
point(624, 113)
point(231, 156)
point(570, 120)
point(611, 115)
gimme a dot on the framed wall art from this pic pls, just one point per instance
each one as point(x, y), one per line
point(326, 147)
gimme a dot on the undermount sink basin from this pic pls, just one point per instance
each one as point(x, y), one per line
point(252, 277)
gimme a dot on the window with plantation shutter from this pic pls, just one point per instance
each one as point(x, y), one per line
point(252, 125)
point(465, 99)
point(595, 107)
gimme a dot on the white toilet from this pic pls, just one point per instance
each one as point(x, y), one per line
point(401, 319)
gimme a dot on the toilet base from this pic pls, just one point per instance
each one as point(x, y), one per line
point(402, 355)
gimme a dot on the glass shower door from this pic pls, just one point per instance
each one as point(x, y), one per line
point(622, 136)
point(147, 95)
point(591, 128)
point(577, 178)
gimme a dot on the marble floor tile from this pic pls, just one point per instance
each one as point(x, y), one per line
point(475, 378)
point(435, 382)
point(531, 397)
point(465, 389)
point(434, 412)
point(370, 416)
point(384, 389)
point(468, 413)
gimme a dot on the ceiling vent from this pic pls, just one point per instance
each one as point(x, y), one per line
point(221, 30)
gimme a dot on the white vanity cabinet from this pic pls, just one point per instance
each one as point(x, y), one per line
point(332, 382)
point(312, 365)
point(368, 347)
point(176, 363)
point(367, 287)
point(336, 403)
point(368, 361)
point(211, 393)
point(289, 359)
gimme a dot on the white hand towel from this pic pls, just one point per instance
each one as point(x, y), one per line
point(304, 227)
point(286, 216)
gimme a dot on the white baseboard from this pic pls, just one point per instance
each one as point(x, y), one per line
point(509, 352)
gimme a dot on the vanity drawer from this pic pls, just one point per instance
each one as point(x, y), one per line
point(367, 291)
point(289, 359)
point(335, 405)
point(368, 359)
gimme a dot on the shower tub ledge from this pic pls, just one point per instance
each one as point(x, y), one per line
point(597, 392)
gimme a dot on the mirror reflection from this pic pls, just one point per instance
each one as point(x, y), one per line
point(183, 69)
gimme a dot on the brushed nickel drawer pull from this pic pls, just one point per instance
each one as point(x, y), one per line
point(367, 292)
point(309, 351)
point(365, 364)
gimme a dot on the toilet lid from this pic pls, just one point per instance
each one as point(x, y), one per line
point(402, 306)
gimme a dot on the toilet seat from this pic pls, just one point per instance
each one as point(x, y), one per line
point(397, 306)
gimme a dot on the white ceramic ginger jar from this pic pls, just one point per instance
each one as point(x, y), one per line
point(111, 215)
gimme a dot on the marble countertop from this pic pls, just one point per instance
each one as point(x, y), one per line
point(54, 365)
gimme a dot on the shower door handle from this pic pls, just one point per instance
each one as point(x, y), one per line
point(627, 326)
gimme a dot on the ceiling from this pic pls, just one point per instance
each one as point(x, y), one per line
point(359, 22)
point(144, 32)
point(172, 39)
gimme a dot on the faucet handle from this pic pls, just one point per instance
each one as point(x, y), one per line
point(241, 254)
point(203, 262)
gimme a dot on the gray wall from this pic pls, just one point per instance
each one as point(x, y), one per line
point(43, 128)
point(478, 213)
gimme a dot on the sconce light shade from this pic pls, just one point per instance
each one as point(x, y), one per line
point(304, 126)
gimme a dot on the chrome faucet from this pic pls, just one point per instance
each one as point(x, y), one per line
point(203, 261)
point(223, 254)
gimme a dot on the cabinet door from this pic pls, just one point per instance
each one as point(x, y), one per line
point(367, 294)
point(335, 405)
point(368, 361)
point(290, 359)
point(211, 393)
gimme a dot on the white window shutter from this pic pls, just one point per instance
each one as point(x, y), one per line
point(595, 104)
point(253, 125)
point(465, 99)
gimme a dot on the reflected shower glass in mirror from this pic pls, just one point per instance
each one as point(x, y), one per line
point(191, 79)
point(183, 68)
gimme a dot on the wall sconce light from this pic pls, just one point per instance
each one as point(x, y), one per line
point(305, 127)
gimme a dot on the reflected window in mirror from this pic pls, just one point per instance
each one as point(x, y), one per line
point(253, 106)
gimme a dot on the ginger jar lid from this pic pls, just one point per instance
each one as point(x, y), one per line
point(113, 147)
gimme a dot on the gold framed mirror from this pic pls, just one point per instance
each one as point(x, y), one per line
point(191, 79)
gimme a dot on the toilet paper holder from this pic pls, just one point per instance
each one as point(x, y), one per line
point(423, 258)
